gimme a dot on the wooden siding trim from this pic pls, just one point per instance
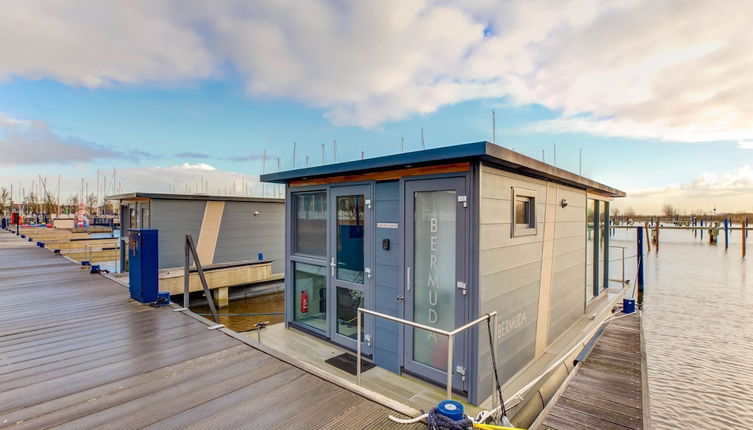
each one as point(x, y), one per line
point(210, 231)
point(386, 174)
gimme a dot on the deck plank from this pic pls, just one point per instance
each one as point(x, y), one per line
point(77, 352)
point(606, 392)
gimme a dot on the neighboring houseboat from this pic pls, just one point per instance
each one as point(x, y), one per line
point(441, 237)
point(230, 234)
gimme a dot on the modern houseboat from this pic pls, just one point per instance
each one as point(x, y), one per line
point(442, 237)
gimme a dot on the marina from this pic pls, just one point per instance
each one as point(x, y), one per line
point(77, 353)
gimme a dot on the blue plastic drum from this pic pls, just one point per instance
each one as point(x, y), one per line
point(451, 409)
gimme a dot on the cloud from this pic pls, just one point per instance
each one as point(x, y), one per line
point(32, 142)
point(188, 177)
point(728, 192)
point(673, 70)
point(250, 157)
point(193, 155)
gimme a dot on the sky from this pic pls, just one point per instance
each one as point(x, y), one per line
point(653, 98)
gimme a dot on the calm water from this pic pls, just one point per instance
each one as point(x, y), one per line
point(267, 303)
point(699, 331)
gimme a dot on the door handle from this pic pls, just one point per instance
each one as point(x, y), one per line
point(332, 266)
point(400, 297)
point(407, 278)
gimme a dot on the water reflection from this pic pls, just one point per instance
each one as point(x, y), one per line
point(699, 330)
point(267, 303)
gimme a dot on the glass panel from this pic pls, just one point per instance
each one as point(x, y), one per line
point(590, 248)
point(350, 238)
point(602, 242)
point(521, 212)
point(434, 273)
point(348, 302)
point(310, 295)
point(311, 223)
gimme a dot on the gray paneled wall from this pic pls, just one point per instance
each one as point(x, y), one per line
point(243, 236)
point(175, 219)
point(509, 274)
point(514, 272)
point(387, 275)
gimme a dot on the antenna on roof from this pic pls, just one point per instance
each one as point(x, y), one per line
point(361, 155)
point(543, 156)
point(294, 145)
point(423, 144)
point(307, 160)
point(554, 163)
point(402, 144)
point(334, 151)
point(580, 161)
point(324, 156)
point(494, 127)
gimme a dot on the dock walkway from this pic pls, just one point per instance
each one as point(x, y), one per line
point(607, 391)
point(77, 353)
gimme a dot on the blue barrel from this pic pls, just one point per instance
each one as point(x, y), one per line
point(451, 409)
point(628, 305)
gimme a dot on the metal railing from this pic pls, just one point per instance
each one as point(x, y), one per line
point(621, 281)
point(450, 339)
point(191, 251)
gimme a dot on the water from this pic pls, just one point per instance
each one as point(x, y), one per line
point(698, 323)
point(267, 303)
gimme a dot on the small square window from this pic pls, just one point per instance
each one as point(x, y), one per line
point(524, 212)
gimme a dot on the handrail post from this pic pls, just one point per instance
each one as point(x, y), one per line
point(205, 286)
point(450, 346)
point(186, 273)
point(623, 266)
point(358, 346)
point(495, 342)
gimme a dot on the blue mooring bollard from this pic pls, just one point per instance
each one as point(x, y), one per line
point(94, 269)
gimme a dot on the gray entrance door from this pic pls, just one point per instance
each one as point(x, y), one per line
point(435, 270)
point(350, 262)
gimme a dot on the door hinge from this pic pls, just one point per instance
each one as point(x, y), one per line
point(463, 200)
point(461, 285)
point(367, 339)
point(368, 203)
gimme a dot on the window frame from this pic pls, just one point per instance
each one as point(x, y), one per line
point(519, 230)
point(294, 252)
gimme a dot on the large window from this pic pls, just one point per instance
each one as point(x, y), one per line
point(310, 295)
point(524, 212)
point(597, 247)
point(310, 224)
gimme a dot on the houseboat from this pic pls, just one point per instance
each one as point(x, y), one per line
point(442, 237)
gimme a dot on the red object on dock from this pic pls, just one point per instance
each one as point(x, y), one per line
point(304, 302)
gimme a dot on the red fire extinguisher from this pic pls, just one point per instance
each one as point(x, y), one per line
point(304, 302)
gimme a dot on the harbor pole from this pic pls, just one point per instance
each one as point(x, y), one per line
point(726, 233)
point(639, 255)
point(701, 229)
point(658, 223)
point(744, 233)
point(648, 239)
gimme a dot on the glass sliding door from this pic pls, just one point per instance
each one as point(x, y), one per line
point(435, 275)
point(349, 264)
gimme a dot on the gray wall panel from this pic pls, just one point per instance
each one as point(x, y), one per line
point(387, 351)
point(175, 219)
point(243, 236)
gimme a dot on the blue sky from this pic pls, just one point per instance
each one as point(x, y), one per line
point(209, 99)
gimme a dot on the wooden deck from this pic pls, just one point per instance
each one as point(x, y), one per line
point(77, 353)
point(607, 390)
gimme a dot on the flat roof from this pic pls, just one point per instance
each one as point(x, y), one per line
point(205, 197)
point(485, 151)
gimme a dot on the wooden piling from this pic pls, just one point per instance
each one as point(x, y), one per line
point(743, 230)
point(648, 239)
point(726, 233)
point(656, 235)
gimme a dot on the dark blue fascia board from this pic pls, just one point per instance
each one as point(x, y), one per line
point(446, 153)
